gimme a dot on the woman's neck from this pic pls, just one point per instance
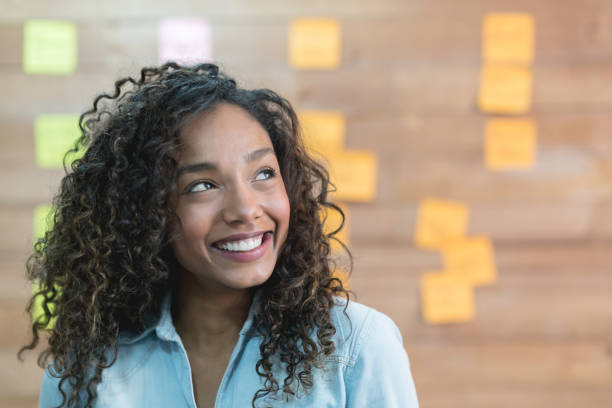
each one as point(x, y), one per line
point(207, 319)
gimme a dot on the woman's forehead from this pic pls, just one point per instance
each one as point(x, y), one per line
point(223, 132)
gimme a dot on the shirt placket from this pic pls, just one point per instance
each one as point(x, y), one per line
point(222, 394)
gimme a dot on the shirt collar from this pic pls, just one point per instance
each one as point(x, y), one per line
point(164, 327)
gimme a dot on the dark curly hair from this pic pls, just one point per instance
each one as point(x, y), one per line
point(106, 262)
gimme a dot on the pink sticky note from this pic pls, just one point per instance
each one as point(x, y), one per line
point(185, 40)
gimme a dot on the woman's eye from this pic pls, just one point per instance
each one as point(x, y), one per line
point(270, 173)
point(199, 186)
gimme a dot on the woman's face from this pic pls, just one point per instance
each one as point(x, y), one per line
point(231, 200)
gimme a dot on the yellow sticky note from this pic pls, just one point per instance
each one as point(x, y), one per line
point(505, 89)
point(38, 313)
point(343, 275)
point(439, 221)
point(54, 134)
point(314, 43)
point(446, 298)
point(508, 37)
point(510, 144)
point(41, 221)
point(355, 175)
point(323, 131)
point(471, 259)
point(332, 222)
point(49, 47)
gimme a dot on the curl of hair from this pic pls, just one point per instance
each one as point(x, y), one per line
point(106, 262)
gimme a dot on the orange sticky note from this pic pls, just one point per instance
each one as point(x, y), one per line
point(510, 144)
point(471, 259)
point(446, 298)
point(508, 37)
point(439, 221)
point(314, 43)
point(505, 89)
point(343, 275)
point(354, 173)
point(323, 131)
point(332, 222)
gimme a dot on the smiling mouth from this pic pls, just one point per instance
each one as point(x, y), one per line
point(243, 245)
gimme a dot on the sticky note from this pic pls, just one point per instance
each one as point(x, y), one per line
point(323, 131)
point(508, 37)
point(314, 43)
point(439, 221)
point(355, 174)
point(471, 259)
point(184, 40)
point(446, 298)
point(505, 89)
point(54, 135)
point(332, 221)
point(38, 311)
point(343, 275)
point(510, 144)
point(49, 47)
point(41, 221)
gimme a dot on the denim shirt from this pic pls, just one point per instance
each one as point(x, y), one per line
point(369, 368)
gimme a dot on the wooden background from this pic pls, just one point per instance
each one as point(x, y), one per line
point(408, 81)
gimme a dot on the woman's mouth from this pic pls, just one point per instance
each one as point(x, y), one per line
point(244, 250)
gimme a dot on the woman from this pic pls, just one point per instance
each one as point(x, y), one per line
point(187, 264)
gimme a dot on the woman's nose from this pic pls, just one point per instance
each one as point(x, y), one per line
point(241, 204)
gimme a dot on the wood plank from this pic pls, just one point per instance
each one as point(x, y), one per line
point(269, 10)
point(15, 324)
point(503, 222)
point(390, 91)
point(507, 397)
point(13, 283)
point(552, 366)
point(19, 380)
point(264, 10)
point(26, 402)
point(400, 39)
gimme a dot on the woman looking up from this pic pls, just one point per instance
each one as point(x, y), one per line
point(187, 264)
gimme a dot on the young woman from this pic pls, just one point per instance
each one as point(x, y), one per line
point(187, 264)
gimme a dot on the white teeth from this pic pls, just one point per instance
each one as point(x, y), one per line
point(244, 245)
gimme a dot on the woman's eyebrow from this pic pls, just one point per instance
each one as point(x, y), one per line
point(204, 166)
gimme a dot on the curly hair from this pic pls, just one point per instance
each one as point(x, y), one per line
point(106, 262)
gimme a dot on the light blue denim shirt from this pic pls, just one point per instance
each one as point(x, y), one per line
point(369, 368)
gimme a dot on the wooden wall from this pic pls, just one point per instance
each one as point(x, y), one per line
point(407, 84)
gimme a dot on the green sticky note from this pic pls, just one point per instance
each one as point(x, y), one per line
point(38, 313)
point(49, 47)
point(54, 134)
point(42, 221)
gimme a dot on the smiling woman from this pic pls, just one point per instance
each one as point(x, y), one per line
point(187, 264)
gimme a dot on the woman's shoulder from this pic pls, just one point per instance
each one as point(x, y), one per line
point(357, 325)
point(378, 368)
